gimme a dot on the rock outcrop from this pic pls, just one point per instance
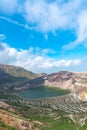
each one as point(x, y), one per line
point(62, 79)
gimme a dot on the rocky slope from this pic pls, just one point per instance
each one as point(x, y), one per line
point(75, 82)
point(14, 78)
point(62, 79)
point(12, 120)
point(13, 108)
point(15, 121)
point(16, 71)
point(56, 108)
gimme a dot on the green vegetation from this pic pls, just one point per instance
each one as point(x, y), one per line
point(61, 124)
point(17, 71)
point(36, 110)
point(5, 126)
point(84, 127)
point(57, 110)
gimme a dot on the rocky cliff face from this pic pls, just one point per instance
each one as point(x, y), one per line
point(76, 83)
point(62, 79)
point(14, 78)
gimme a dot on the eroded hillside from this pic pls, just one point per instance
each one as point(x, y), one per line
point(10, 120)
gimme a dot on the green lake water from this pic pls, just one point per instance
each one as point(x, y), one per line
point(42, 92)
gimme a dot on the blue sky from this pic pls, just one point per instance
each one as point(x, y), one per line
point(44, 35)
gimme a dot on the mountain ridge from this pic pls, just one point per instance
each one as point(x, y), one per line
point(17, 71)
point(14, 78)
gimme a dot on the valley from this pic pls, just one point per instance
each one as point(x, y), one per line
point(60, 106)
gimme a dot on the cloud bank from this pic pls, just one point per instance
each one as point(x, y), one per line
point(34, 59)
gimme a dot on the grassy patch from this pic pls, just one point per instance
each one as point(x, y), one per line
point(5, 126)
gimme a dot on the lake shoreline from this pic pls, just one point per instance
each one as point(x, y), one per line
point(42, 92)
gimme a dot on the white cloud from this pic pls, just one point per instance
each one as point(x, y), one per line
point(55, 15)
point(51, 16)
point(81, 32)
point(46, 16)
point(50, 63)
point(33, 60)
point(8, 6)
